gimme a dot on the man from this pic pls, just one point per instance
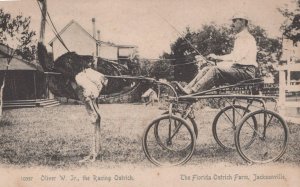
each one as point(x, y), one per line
point(239, 65)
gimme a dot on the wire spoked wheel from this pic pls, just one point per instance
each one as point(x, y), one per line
point(168, 141)
point(225, 124)
point(177, 127)
point(191, 121)
point(270, 141)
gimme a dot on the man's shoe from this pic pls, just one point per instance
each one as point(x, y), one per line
point(179, 88)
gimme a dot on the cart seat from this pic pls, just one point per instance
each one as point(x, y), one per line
point(180, 91)
point(255, 80)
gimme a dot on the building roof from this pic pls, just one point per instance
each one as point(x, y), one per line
point(106, 43)
point(5, 49)
point(127, 46)
point(15, 64)
point(67, 26)
point(84, 31)
point(88, 34)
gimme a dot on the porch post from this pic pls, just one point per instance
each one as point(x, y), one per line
point(158, 93)
point(282, 88)
point(34, 82)
point(46, 83)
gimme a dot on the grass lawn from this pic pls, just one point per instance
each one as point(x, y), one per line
point(60, 136)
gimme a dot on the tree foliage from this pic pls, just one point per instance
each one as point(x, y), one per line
point(158, 69)
point(16, 32)
point(291, 26)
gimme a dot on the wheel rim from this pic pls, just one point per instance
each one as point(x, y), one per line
point(270, 141)
point(169, 152)
point(224, 125)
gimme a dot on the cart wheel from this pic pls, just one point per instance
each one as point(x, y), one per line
point(271, 137)
point(162, 144)
point(176, 141)
point(188, 119)
point(224, 125)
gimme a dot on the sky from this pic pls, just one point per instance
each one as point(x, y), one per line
point(143, 22)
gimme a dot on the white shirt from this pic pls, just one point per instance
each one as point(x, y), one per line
point(244, 49)
point(91, 81)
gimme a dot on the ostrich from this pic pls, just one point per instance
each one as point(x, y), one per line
point(79, 80)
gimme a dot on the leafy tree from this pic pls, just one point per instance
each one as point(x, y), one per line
point(16, 32)
point(146, 67)
point(158, 69)
point(269, 50)
point(291, 26)
point(162, 69)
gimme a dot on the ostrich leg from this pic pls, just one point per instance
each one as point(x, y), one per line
point(88, 87)
point(95, 117)
point(96, 146)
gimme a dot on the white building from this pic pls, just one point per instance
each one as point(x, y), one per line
point(77, 39)
point(291, 63)
point(289, 89)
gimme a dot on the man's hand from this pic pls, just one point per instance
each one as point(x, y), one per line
point(213, 56)
point(200, 59)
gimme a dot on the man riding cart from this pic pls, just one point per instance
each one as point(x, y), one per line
point(237, 66)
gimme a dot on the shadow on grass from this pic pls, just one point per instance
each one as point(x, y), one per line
point(215, 154)
point(5, 123)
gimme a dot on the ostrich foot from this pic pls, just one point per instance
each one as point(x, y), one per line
point(90, 158)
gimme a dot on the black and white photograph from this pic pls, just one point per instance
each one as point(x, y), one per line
point(149, 93)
